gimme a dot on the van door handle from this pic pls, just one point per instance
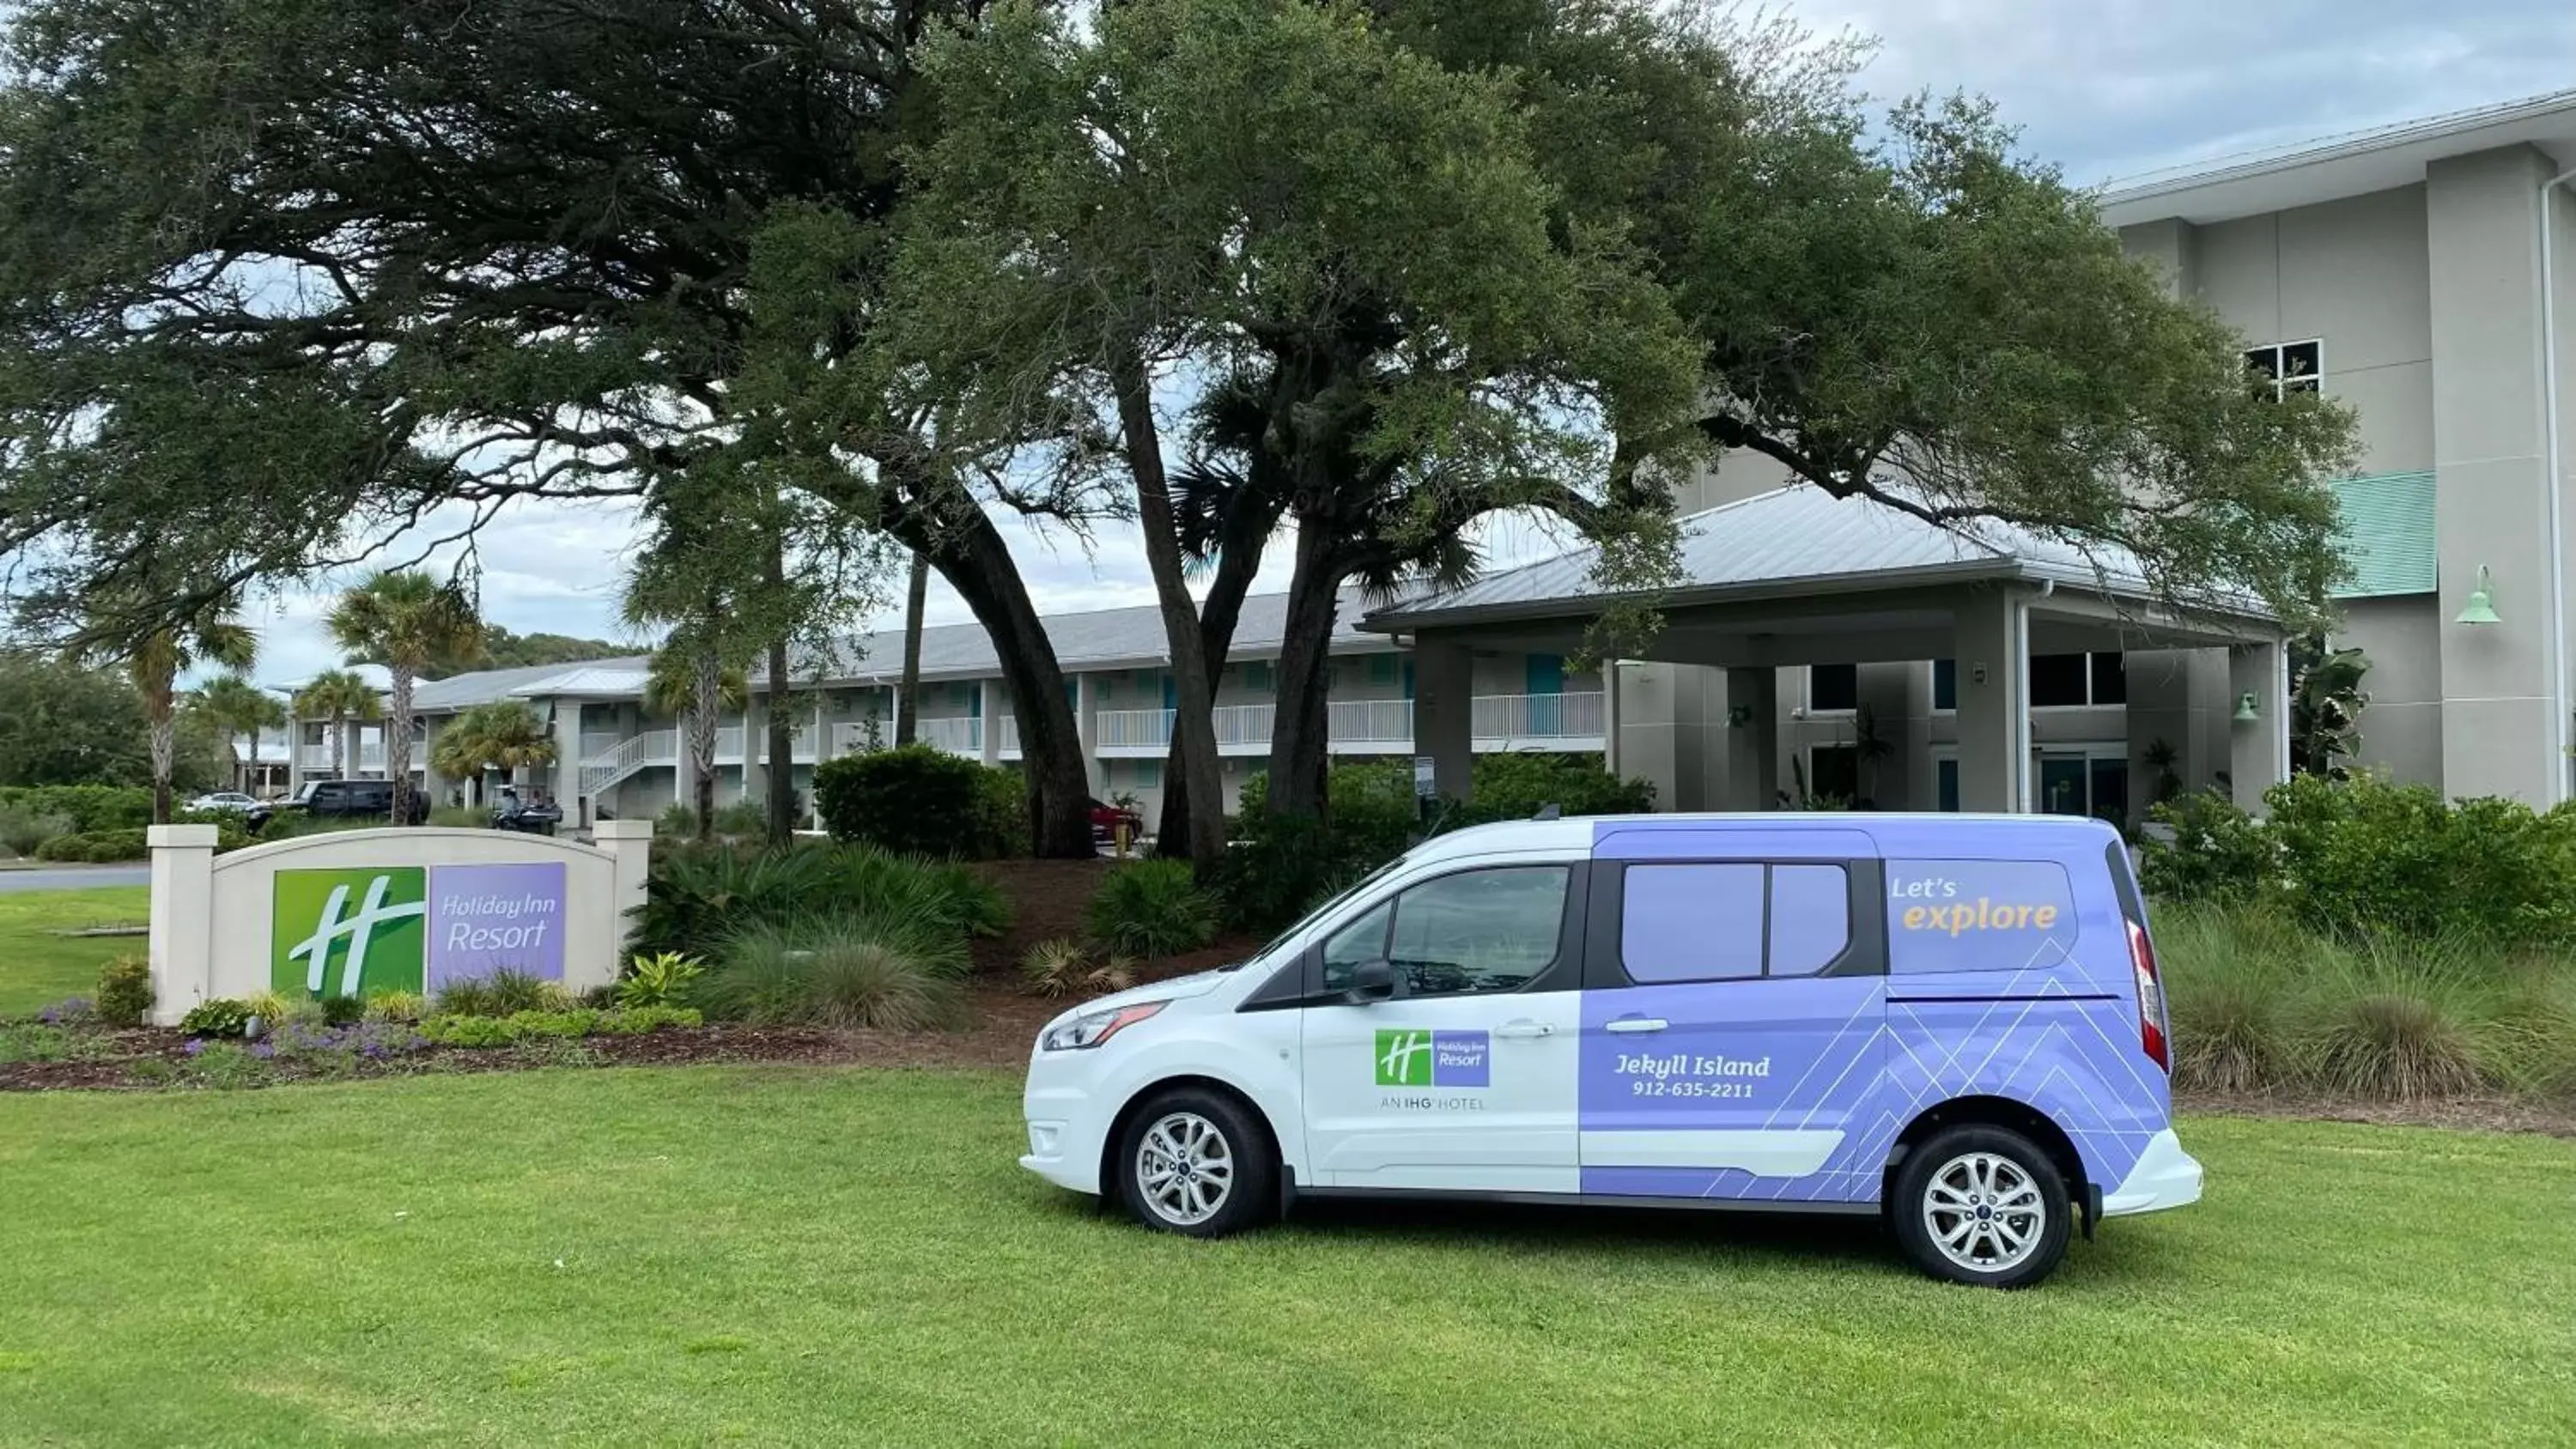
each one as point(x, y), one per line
point(1639, 1023)
point(1524, 1029)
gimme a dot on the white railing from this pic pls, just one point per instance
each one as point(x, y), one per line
point(961, 735)
point(1133, 729)
point(1538, 716)
point(626, 756)
point(729, 744)
point(596, 744)
point(1006, 737)
point(852, 739)
point(317, 757)
point(1369, 721)
point(1241, 725)
point(371, 754)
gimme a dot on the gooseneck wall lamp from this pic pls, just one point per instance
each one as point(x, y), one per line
point(2481, 609)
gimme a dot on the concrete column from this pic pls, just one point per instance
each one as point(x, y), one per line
point(1645, 726)
point(433, 785)
point(2499, 725)
point(755, 731)
point(1444, 713)
point(630, 842)
point(567, 786)
point(180, 939)
point(1993, 654)
point(2258, 755)
point(991, 697)
point(822, 727)
point(1751, 780)
point(294, 755)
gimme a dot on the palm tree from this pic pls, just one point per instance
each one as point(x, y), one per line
point(689, 679)
point(338, 696)
point(501, 735)
point(239, 707)
point(406, 621)
point(154, 662)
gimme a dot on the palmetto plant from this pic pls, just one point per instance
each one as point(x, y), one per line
point(239, 707)
point(338, 696)
point(406, 621)
point(155, 660)
point(502, 735)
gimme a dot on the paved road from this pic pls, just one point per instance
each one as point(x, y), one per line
point(74, 878)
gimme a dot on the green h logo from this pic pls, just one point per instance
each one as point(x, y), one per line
point(348, 932)
point(1404, 1059)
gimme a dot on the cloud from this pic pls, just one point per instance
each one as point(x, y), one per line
point(2104, 88)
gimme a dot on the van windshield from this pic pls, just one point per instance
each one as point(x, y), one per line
point(1345, 893)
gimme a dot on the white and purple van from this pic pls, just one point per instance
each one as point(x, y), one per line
point(1953, 1022)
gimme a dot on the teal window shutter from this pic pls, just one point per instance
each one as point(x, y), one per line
point(1547, 674)
point(2385, 528)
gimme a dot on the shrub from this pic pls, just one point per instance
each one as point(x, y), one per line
point(1062, 968)
point(1518, 786)
point(917, 800)
point(22, 832)
point(950, 892)
point(125, 992)
point(87, 807)
point(695, 895)
point(677, 821)
point(397, 1006)
point(275, 1009)
point(656, 979)
point(830, 972)
point(1003, 828)
point(222, 1016)
point(343, 1010)
point(502, 993)
point(744, 819)
point(561, 1025)
point(1152, 908)
point(1276, 869)
point(2370, 856)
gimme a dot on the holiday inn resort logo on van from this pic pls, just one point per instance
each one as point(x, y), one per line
point(375, 929)
point(1434, 1059)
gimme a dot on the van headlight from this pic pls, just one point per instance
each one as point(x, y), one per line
point(1092, 1028)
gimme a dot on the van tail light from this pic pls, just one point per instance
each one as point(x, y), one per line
point(2151, 997)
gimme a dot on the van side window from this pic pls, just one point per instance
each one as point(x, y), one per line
point(1361, 941)
point(1710, 922)
point(1478, 930)
point(1977, 915)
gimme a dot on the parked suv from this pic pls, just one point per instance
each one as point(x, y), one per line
point(1953, 1023)
point(344, 799)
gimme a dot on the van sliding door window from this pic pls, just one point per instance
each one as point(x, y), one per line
point(1730, 921)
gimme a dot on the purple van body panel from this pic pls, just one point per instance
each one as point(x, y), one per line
point(2008, 975)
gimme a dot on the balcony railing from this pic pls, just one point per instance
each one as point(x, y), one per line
point(626, 756)
point(1006, 740)
point(1369, 721)
point(1133, 729)
point(1538, 716)
point(1498, 721)
point(960, 735)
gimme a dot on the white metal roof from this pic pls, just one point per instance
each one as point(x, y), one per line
point(1791, 541)
point(2353, 164)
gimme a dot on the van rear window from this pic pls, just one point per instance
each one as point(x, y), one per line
point(1977, 915)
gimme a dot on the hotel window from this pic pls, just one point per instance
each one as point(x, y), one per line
point(1833, 686)
point(2057, 681)
point(2282, 368)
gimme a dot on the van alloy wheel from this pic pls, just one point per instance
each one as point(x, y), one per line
point(1184, 1169)
point(1983, 1212)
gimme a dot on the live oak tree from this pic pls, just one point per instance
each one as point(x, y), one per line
point(282, 278)
point(1275, 194)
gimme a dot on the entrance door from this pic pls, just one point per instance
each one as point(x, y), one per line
point(1747, 1045)
point(1463, 1077)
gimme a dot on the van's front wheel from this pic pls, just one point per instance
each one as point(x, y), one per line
point(1196, 1162)
point(1982, 1205)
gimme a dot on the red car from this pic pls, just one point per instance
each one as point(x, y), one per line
point(1106, 818)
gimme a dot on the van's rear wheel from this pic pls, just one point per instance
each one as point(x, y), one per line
point(1197, 1162)
point(1982, 1205)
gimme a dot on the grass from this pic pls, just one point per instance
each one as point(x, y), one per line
point(38, 967)
point(2260, 1002)
point(777, 1255)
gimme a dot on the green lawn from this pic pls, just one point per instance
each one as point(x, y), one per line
point(38, 967)
point(777, 1256)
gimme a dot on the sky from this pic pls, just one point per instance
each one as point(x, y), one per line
point(2104, 88)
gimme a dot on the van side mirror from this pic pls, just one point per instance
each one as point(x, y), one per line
point(1372, 981)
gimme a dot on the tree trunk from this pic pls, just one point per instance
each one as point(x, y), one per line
point(1194, 721)
point(972, 556)
point(339, 730)
point(706, 699)
point(1299, 746)
point(1238, 560)
point(398, 745)
point(164, 749)
point(907, 707)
